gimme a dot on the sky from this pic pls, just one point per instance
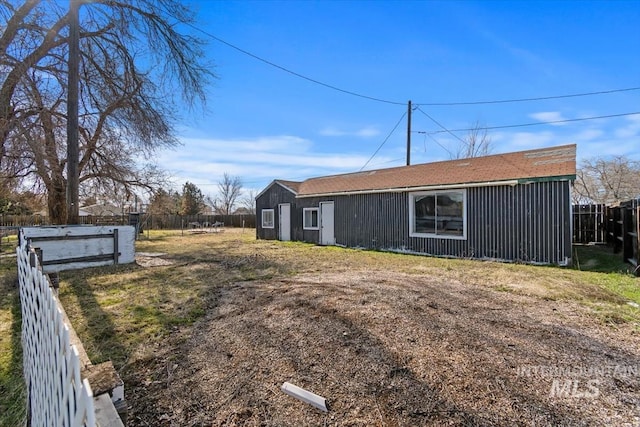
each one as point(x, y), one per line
point(263, 123)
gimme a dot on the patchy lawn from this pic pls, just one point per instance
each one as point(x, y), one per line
point(205, 329)
point(12, 388)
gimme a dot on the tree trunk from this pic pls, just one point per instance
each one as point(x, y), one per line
point(57, 201)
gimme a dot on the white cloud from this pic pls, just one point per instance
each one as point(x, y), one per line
point(632, 129)
point(588, 135)
point(549, 116)
point(365, 132)
point(526, 140)
point(256, 161)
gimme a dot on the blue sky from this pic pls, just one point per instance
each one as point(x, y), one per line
point(262, 123)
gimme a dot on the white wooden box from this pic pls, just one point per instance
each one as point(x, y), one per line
point(74, 247)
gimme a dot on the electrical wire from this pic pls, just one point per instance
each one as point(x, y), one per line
point(444, 129)
point(436, 141)
point(385, 140)
point(312, 80)
point(540, 98)
point(386, 101)
point(450, 131)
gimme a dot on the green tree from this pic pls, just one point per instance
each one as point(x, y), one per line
point(164, 202)
point(192, 200)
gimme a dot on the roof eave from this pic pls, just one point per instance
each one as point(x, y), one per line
point(510, 182)
point(412, 188)
point(275, 181)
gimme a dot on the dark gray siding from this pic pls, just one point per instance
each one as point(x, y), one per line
point(373, 221)
point(270, 199)
point(309, 236)
point(526, 222)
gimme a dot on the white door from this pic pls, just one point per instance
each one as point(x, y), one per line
point(284, 222)
point(327, 235)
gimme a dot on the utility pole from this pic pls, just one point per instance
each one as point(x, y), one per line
point(409, 134)
point(72, 114)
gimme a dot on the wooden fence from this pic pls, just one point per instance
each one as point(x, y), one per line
point(623, 230)
point(589, 224)
point(147, 221)
point(57, 394)
point(617, 226)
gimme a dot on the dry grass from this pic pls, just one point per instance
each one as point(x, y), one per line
point(12, 388)
point(207, 333)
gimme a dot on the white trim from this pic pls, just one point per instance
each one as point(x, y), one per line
point(273, 218)
point(511, 182)
point(412, 233)
point(304, 226)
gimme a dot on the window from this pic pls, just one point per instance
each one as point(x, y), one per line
point(310, 219)
point(267, 218)
point(438, 214)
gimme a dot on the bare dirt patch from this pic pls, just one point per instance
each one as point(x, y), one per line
point(152, 259)
point(389, 340)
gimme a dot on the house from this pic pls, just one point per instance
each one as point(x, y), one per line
point(101, 209)
point(509, 207)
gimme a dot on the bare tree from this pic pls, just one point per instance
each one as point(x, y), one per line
point(229, 189)
point(126, 98)
point(602, 180)
point(248, 201)
point(476, 143)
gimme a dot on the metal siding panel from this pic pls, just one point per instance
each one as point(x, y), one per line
point(528, 222)
point(270, 200)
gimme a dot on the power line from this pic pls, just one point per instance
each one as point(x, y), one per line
point(312, 80)
point(444, 129)
point(385, 140)
point(540, 98)
point(386, 101)
point(525, 124)
point(437, 142)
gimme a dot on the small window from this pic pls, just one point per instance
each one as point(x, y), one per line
point(310, 218)
point(438, 214)
point(267, 218)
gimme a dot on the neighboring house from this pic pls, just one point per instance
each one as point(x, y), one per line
point(242, 211)
point(101, 210)
point(509, 207)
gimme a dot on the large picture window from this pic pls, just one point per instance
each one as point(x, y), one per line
point(438, 214)
point(267, 218)
point(310, 219)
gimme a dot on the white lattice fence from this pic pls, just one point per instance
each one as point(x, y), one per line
point(57, 394)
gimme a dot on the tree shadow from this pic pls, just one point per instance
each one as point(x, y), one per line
point(312, 344)
point(95, 328)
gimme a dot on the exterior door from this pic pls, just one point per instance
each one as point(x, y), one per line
point(284, 222)
point(327, 233)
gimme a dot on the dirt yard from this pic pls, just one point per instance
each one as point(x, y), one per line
point(387, 339)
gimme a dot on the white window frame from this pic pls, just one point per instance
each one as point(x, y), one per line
point(273, 218)
point(412, 205)
point(304, 219)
